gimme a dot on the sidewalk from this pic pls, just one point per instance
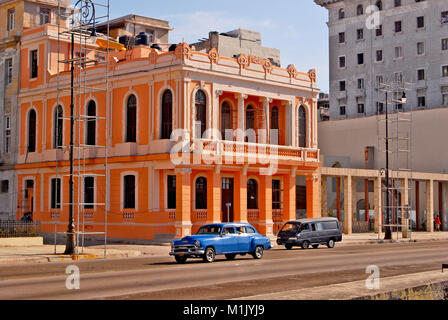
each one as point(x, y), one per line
point(372, 238)
point(418, 286)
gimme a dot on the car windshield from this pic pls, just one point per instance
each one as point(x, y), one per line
point(210, 230)
point(289, 227)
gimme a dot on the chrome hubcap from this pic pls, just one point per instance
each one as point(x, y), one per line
point(209, 255)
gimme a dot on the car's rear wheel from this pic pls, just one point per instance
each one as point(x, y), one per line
point(330, 243)
point(258, 253)
point(315, 246)
point(230, 256)
point(305, 244)
point(288, 246)
point(180, 259)
point(209, 255)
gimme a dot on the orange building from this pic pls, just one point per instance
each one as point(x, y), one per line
point(169, 169)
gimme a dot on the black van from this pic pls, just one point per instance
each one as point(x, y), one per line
point(306, 232)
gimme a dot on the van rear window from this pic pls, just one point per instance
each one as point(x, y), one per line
point(330, 225)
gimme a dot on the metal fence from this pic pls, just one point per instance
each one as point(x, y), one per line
point(16, 229)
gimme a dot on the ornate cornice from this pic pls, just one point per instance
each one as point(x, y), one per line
point(324, 3)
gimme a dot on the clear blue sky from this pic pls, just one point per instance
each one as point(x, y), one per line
point(296, 27)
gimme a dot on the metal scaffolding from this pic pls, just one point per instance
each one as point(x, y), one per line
point(395, 140)
point(77, 44)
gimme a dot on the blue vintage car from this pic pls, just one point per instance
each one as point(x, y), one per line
point(228, 239)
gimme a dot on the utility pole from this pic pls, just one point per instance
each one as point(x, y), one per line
point(388, 233)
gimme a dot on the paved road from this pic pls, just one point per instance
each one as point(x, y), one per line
point(161, 278)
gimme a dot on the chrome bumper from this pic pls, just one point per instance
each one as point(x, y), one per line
point(187, 252)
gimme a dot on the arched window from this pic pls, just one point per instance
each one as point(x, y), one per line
point(58, 122)
point(302, 127)
point(359, 10)
point(274, 125)
point(252, 194)
point(201, 114)
point(129, 192)
point(91, 124)
point(341, 13)
point(32, 131)
point(167, 115)
point(201, 193)
point(131, 119)
point(379, 4)
point(226, 119)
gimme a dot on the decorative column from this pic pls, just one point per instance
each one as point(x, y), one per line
point(378, 204)
point(405, 207)
point(265, 205)
point(240, 209)
point(323, 196)
point(291, 111)
point(216, 113)
point(430, 206)
point(444, 213)
point(266, 102)
point(312, 196)
point(241, 116)
point(183, 202)
point(289, 196)
point(214, 196)
point(348, 204)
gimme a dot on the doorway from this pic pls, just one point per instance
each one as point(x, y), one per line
point(227, 197)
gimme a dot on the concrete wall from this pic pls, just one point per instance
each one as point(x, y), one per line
point(348, 138)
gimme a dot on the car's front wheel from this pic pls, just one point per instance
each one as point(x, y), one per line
point(330, 243)
point(258, 253)
point(209, 255)
point(180, 259)
point(230, 256)
point(305, 244)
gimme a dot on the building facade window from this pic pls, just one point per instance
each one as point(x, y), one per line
point(131, 119)
point(397, 26)
point(250, 124)
point(420, 22)
point(398, 52)
point(252, 194)
point(360, 83)
point(444, 90)
point(420, 48)
point(33, 64)
point(11, 19)
point(360, 58)
point(359, 10)
point(201, 193)
point(341, 14)
point(129, 192)
point(167, 115)
point(276, 194)
point(274, 125)
point(342, 62)
point(341, 37)
point(44, 16)
point(226, 121)
point(201, 114)
point(379, 55)
point(445, 71)
point(7, 148)
point(360, 34)
point(360, 107)
point(380, 107)
point(342, 111)
point(421, 74)
point(8, 71)
point(55, 193)
point(4, 187)
point(341, 85)
point(302, 127)
point(91, 124)
point(379, 5)
point(32, 131)
point(58, 131)
point(445, 44)
point(171, 191)
point(444, 18)
point(397, 3)
point(89, 192)
point(379, 31)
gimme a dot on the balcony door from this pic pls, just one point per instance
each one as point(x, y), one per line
point(227, 197)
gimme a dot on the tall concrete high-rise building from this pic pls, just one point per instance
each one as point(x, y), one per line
point(409, 43)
